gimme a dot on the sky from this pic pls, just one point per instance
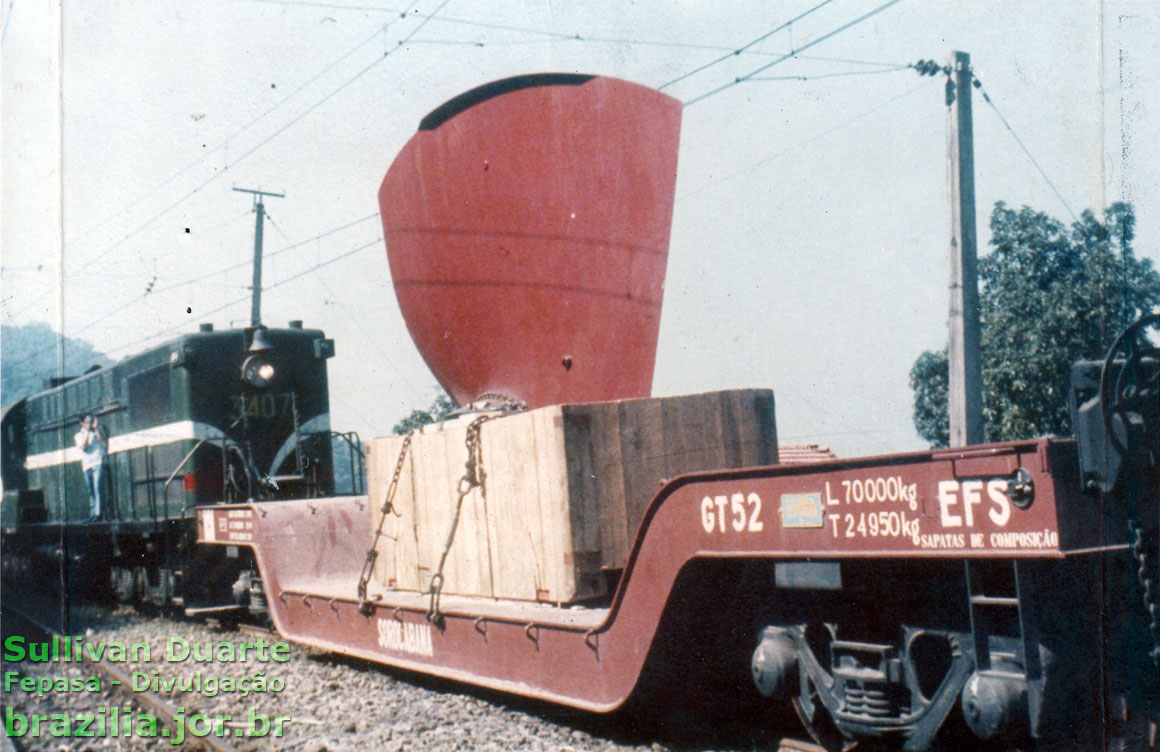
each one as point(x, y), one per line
point(809, 242)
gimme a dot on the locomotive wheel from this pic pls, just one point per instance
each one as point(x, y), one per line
point(121, 582)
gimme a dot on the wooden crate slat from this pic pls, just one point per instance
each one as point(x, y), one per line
point(566, 488)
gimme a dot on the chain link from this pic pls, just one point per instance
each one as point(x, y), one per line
point(474, 477)
point(364, 605)
point(1129, 396)
point(1148, 589)
point(506, 402)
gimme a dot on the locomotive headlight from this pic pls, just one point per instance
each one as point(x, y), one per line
point(257, 371)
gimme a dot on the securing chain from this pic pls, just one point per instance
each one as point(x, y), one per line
point(1134, 389)
point(1148, 589)
point(365, 606)
point(500, 401)
point(473, 478)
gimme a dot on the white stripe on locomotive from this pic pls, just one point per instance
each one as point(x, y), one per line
point(181, 430)
point(317, 424)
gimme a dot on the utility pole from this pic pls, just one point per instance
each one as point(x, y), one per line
point(965, 398)
point(260, 210)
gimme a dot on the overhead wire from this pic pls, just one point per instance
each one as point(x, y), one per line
point(319, 280)
point(263, 142)
point(568, 36)
point(426, 18)
point(7, 21)
point(185, 283)
point(328, 6)
point(866, 434)
point(799, 144)
point(107, 269)
point(830, 75)
point(783, 58)
point(244, 298)
point(281, 130)
point(358, 322)
point(225, 169)
point(739, 50)
point(272, 254)
point(225, 142)
point(851, 61)
point(1023, 146)
point(434, 15)
point(795, 53)
point(444, 19)
point(84, 266)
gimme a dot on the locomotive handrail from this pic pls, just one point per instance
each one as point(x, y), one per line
point(355, 445)
point(56, 425)
point(186, 459)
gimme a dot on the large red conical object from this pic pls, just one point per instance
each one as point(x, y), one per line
point(527, 227)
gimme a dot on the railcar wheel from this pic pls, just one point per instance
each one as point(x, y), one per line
point(1130, 732)
point(794, 745)
point(817, 721)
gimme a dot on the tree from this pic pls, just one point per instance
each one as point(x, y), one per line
point(29, 359)
point(929, 379)
point(1049, 295)
point(439, 409)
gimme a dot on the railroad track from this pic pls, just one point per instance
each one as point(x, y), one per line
point(168, 716)
point(334, 703)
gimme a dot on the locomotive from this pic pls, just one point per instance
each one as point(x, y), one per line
point(207, 417)
point(603, 550)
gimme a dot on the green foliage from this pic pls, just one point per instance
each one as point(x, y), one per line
point(1049, 295)
point(28, 359)
point(928, 380)
point(439, 409)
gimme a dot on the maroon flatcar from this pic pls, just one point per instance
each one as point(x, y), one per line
point(1004, 594)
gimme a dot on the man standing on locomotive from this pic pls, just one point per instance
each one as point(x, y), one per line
point(94, 445)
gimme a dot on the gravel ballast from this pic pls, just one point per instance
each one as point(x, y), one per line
point(330, 703)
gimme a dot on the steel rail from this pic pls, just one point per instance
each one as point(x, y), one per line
point(150, 701)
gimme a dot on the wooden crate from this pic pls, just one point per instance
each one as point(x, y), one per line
point(566, 487)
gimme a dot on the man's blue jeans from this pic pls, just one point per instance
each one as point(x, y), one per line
point(95, 477)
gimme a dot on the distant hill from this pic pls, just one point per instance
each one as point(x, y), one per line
point(28, 357)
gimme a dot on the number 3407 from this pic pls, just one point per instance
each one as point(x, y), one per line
point(260, 405)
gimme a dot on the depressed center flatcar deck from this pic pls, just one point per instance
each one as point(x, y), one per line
point(1012, 501)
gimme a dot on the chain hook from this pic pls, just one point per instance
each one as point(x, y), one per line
point(365, 606)
point(473, 477)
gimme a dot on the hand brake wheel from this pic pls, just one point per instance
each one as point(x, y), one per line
point(1131, 395)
